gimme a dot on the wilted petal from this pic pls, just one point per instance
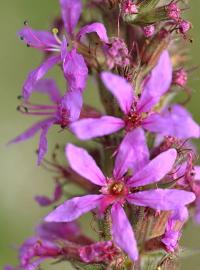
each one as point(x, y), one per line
point(38, 39)
point(74, 208)
point(35, 75)
point(120, 88)
point(175, 121)
point(122, 232)
point(73, 101)
point(132, 154)
point(98, 28)
point(158, 83)
point(75, 70)
point(71, 11)
point(162, 199)
point(89, 128)
point(45, 201)
point(43, 143)
point(49, 87)
point(29, 133)
point(155, 170)
point(82, 163)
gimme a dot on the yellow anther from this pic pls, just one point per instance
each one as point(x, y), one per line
point(55, 31)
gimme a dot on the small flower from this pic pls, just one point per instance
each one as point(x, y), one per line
point(74, 66)
point(63, 112)
point(120, 189)
point(139, 112)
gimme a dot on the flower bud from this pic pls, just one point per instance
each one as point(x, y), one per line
point(148, 30)
point(173, 12)
point(116, 53)
point(128, 8)
point(184, 26)
point(180, 77)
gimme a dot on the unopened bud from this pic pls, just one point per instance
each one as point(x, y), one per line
point(180, 77)
point(128, 8)
point(173, 12)
point(148, 30)
point(184, 26)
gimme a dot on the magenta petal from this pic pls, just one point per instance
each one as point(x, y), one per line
point(89, 128)
point(29, 133)
point(197, 173)
point(158, 83)
point(49, 87)
point(38, 39)
point(98, 28)
point(120, 88)
point(75, 70)
point(35, 75)
point(132, 154)
point(155, 170)
point(162, 199)
point(64, 48)
point(73, 101)
point(71, 11)
point(43, 143)
point(122, 232)
point(82, 163)
point(74, 208)
point(175, 121)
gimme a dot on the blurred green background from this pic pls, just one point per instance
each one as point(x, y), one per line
point(21, 179)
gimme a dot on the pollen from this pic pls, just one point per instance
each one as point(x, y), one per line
point(55, 31)
point(117, 188)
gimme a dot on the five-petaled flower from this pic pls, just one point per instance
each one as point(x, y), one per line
point(174, 120)
point(73, 63)
point(120, 188)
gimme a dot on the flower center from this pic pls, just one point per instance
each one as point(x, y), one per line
point(117, 188)
point(63, 116)
point(133, 120)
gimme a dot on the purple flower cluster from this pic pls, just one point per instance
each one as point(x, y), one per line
point(143, 163)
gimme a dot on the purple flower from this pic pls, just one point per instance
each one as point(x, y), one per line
point(173, 229)
point(174, 120)
point(63, 112)
point(74, 66)
point(120, 188)
point(44, 245)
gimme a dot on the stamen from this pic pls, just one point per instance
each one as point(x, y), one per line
point(55, 33)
